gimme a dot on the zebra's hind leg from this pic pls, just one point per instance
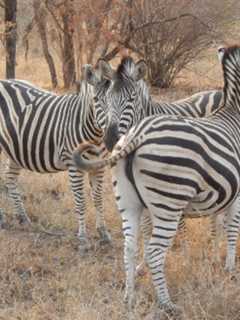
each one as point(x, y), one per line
point(11, 183)
point(130, 208)
point(232, 225)
point(2, 216)
point(183, 232)
point(216, 225)
point(78, 188)
point(146, 228)
point(97, 180)
point(165, 224)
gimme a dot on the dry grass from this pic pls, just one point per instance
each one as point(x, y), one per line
point(44, 278)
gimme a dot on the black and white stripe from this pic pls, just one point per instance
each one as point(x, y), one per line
point(175, 167)
point(128, 101)
point(39, 131)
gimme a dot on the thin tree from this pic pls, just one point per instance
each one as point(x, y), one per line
point(10, 36)
point(69, 72)
point(40, 18)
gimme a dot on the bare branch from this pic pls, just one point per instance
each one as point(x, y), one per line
point(2, 5)
point(184, 15)
point(53, 15)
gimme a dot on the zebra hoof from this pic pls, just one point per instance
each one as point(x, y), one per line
point(84, 247)
point(170, 309)
point(23, 219)
point(3, 224)
point(130, 302)
point(141, 270)
point(229, 269)
point(105, 237)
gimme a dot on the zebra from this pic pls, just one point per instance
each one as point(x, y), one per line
point(126, 83)
point(39, 131)
point(176, 166)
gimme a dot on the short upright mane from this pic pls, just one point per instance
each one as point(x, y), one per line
point(126, 67)
point(230, 58)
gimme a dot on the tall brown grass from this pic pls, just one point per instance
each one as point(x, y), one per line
point(44, 278)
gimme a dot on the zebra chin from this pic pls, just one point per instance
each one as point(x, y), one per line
point(111, 137)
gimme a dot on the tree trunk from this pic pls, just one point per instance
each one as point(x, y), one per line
point(11, 36)
point(40, 17)
point(69, 72)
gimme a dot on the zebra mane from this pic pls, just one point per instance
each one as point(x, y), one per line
point(143, 90)
point(123, 74)
point(125, 68)
point(231, 57)
point(104, 85)
point(86, 90)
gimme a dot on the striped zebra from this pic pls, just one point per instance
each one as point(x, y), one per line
point(128, 100)
point(174, 167)
point(121, 113)
point(39, 131)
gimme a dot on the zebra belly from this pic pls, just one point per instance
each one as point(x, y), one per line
point(33, 162)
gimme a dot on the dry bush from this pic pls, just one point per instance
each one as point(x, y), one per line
point(172, 34)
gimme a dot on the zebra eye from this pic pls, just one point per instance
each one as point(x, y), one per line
point(221, 52)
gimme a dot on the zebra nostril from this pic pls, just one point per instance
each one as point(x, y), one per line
point(111, 136)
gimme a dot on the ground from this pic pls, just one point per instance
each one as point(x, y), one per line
point(43, 277)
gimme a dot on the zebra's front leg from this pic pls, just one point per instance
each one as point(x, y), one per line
point(97, 180)
point(78, 188)
point(11, 183)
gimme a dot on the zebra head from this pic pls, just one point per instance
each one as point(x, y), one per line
point(100, 85)
point(123, 101)
point(230, 60)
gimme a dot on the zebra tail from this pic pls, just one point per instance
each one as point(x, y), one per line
point(118, 153)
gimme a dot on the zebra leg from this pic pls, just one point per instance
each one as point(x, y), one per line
point(2, 216)
point(216, 225)
point(232, 225)
point(130, 225)
point(78, 188)
point(146, 228)
point(165, 226)
point(183, 232)
point(11, 183)
point(130, 208)
point(97, 180)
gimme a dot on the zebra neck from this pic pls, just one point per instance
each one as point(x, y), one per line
point(232, 100)
point(231, 90)
point(155, 107)
point(80, 125)
point(91, 131)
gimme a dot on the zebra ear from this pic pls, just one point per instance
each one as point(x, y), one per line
point(89, 75)
point(106, 70)
point(140, 70)
point(221, 52)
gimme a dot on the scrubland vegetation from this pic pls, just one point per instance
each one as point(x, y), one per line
point(42, 277)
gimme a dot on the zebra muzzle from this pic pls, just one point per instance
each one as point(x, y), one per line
point(111, 136)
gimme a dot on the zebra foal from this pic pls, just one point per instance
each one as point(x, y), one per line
point(39, 131)
point(175, 167)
